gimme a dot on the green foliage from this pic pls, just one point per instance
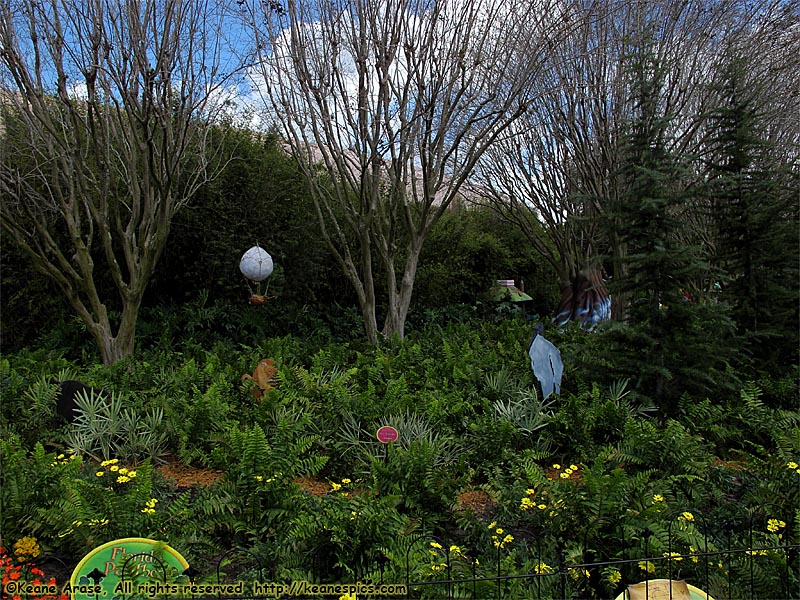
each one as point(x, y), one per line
point(28, 390)
point(72, 503)
point(258, 496)
point(258, 198)
point(756, 219)
point(461, 397)
point(423, 477)
point(592, 419)
point(105, 428)
point(466, 252)
point(687, 344)
point(527, 412)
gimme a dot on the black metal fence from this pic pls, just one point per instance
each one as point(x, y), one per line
point(718, 569)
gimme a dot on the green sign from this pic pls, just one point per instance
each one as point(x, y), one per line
point(124, 568)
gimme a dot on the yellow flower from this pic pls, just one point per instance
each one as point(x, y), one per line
point(564, 475)
point(542, 569)
point(576, 574)
point(542, 506)
point(113, 468)
point(436, 545)
point(26, 547)
point(131, 474)
point(259, 478)
point(100, 473)
point(792, 465)
point(123, 471)
point(556, 466)
point(345, 481)
point(123, 479)
point(773, 525)
point(335, 486)
point(499, 531)
point(614, 577)
point(686, 516)
point(455, 549)
point(60, 457)
point(105, 463)
point(530, 492)
point(574, 467)
point(647, 566)
point(674, 556)
point(658, 498)
point(492, 525)
point(498, 543)
point(526, 504)
point(348, 596)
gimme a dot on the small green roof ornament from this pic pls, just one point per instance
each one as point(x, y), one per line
point(505, 291)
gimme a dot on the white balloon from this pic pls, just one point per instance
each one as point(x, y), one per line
point(256, 264)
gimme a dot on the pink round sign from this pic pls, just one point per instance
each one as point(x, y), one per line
point(387, 434)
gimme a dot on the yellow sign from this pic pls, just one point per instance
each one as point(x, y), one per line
point(663, 589)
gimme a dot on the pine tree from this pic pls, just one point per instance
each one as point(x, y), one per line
point(669, 345)
point(654, 182)
point(755, 208)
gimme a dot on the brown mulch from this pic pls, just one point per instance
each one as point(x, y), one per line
point(476, 501)
point(187, 476)
point(312, 486)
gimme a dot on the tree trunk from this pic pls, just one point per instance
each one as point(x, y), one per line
point(400, 299)
point(370, 320)
point(364, 285)
point(114, 348)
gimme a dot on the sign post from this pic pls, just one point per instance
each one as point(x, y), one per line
point(387, 435)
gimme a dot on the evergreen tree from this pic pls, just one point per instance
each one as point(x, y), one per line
point(651, 206)
point(669, 345)
point(756, 214)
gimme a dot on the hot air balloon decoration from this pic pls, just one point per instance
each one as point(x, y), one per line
point(256, 265)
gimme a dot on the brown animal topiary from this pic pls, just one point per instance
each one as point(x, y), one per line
point(264, 376)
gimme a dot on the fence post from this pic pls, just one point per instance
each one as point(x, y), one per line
point(499, 591)
point(562, 569)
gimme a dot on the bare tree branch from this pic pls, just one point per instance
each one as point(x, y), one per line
point(395, 101)
point(107, 109)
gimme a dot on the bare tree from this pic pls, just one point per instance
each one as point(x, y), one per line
point(107, 106)
point(556, 177)
point(388, 105)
